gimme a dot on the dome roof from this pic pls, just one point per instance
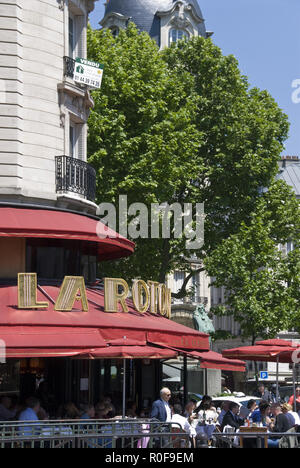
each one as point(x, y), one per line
point(143, 12)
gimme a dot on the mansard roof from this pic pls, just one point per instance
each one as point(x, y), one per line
point(144, 13)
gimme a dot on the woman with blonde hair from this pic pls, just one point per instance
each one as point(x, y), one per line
point(293, 417)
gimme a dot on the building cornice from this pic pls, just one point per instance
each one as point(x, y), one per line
point(183, 10)
point(90, 4)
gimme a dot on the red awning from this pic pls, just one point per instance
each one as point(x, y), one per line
point(275, 342)
point(261, 353)
point(213, 360)
point(51, 337)
point(41, 328)
point(20, 353)
point(130, 352)
point(50, 224)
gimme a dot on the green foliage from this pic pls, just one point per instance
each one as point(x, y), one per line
point(262, 283)
point(181, 126)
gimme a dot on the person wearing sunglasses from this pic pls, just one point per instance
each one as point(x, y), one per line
point(161, 409)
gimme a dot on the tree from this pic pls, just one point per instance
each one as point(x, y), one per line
point(261, 281)
point(181, 126)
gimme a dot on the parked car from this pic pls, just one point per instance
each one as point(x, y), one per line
point(195, 397)
point(240, 400)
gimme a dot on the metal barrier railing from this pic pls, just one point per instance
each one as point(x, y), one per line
point(290, 439)
point(92, 434)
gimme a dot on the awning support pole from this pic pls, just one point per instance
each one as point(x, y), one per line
point(277, 379)
point(294, 387)
point(185, 390)
point(124, 389)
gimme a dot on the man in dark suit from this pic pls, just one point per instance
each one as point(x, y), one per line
point(161, 409)
point(231, 418)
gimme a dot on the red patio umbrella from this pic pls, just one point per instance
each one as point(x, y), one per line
point(279, 351)
point(213, 360)
point(129, 352)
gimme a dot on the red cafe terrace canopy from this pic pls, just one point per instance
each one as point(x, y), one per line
point(44, 333)
point(53, 224)
point(99, 335)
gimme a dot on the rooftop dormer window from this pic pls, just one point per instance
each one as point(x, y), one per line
point(177, 35)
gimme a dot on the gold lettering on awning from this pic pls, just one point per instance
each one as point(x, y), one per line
point(73, 289)
point(154, 293)
point(27, 292)
point(140, 290)
point(113, 296)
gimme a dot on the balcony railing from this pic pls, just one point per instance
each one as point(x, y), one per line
point(69, 65)
point(74, 175)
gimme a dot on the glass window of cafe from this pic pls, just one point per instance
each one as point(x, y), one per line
point(54, 259)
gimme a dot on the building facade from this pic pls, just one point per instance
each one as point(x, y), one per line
point(43, 113)
point(166, 21)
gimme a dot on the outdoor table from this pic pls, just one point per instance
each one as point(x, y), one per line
point(249, 430)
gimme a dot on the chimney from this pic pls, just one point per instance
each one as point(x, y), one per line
point(288, 160)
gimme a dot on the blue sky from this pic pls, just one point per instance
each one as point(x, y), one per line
point(264, 37)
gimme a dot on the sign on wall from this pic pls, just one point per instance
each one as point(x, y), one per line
point(88, 73)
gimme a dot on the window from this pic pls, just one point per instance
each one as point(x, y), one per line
point(177, 35)
point(72, 140)
point(178, 283)
point(54, 259)
point(72, 42)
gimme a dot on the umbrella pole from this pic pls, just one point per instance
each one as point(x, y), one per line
point(185, 390)
point(294, 386)
point(277, 379)
point(124, 389)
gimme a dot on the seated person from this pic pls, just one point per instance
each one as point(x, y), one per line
point(280, 425)
point(6, 412)
point(89, 412)
point(30, 414)
point(262, 413)
point(71, 411)
point(231, 418)
point(293, 417)
point(251, 406)
point(224, 408)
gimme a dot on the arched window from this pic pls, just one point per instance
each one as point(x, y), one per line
point(176, 35)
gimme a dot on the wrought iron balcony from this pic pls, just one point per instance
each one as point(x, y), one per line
point(74, 175)
point(69, 65)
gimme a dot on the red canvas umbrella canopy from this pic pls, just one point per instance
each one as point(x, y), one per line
point(130, 352)
point(261, 352)
point(279, 351)
point(213, 360)
point(275, 342)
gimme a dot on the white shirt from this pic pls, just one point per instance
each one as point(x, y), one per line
point(296, 417)
point(181, 420)
point(184, 424)
point(208, 416)
point(168, 410)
